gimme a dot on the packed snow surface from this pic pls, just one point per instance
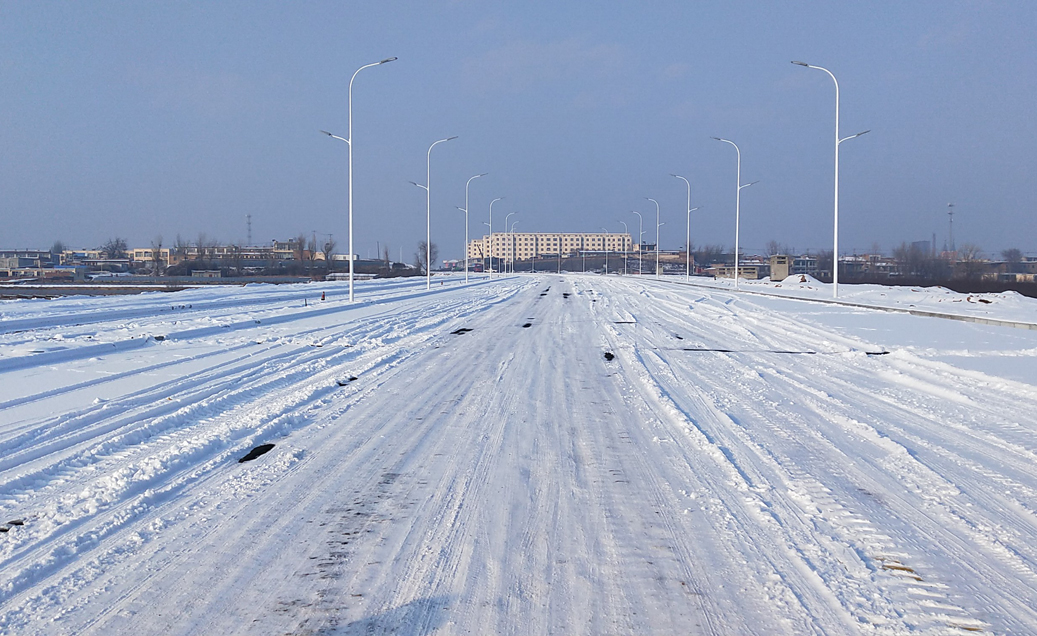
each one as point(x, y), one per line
point(528, 455)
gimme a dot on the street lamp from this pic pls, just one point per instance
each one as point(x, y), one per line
point(511, 245)
point(640, 235)
point(489, 249)
point(835, 231)
point(687, 243)
point(657, 228)
point(428, 211)
point(349, 142)
point(465, 210)
point(606, 251)
point(626, 231)
point(738, 196)
point(506, 250)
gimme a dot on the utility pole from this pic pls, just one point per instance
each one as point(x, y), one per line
point(248, 224)
point(950, 231)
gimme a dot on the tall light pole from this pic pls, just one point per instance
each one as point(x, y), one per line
point(606, 242)
point(349, 142)
point(511, 244)
point(640, 235)
point(657, 235)
point(489, 248)
point(506, 245)
point(835, 230)
point(626, 231)
point(738, 197)
point(687, 241)
point(465, 210)
point(428, 211)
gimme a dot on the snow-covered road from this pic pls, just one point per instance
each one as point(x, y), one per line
point(532, 455)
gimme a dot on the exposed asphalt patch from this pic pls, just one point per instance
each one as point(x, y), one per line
point(346, 381)
point(460, 332)
point(262, 449)
point(609, 356)
point(793, 353)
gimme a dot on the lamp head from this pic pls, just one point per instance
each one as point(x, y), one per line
point(389, 59)
point(800, 63)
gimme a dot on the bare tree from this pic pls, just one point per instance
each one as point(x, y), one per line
point(432, 252)
point(114, 248)
point(328, 248)
point(180, 248)
point(1013, 256)
point(709, 254)
point(773, 248)
point(970, 258)
point(156, 255)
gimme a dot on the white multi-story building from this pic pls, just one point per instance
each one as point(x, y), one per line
point(523, 246)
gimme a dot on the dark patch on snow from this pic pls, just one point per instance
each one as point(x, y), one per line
point(262, 449)
point(609, 356)
point(159, 338)
point(565, 294)
point(346, 381)
point(16, 522)
point(4, 528)
point(678, 337)
point(527, 325)
point(876, 353)
point(625, 322)
point(460, 332)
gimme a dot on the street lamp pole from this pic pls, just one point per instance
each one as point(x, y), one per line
point(428, 211)
point(687, 242)
point(349, 142)
point(626, 231)
point(658, 226)
point(465, 210)
point(606, 251)
point(835, 230)
point(511, 245)
point(640, 235)
point(506, 245)
point(738, 197)
point(489, 248)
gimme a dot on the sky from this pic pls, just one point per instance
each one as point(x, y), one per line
point(139, 120)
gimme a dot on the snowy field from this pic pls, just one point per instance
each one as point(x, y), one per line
point(529, 455)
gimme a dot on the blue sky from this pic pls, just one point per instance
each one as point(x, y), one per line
point(141, 119)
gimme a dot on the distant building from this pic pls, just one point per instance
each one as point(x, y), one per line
point(781, 266)
point(527, 245)
point(804, 265)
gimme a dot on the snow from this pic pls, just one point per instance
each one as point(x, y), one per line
point(745, 464)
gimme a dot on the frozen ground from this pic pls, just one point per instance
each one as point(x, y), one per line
point(742, 464)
